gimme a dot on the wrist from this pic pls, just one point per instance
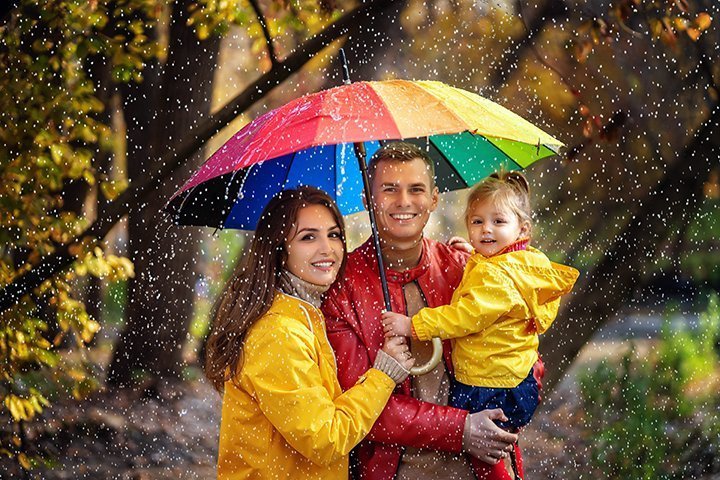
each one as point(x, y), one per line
point(390, 367)
point(466, 434)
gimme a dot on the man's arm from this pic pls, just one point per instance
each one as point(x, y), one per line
point(405, 420)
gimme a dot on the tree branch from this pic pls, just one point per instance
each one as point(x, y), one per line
point(140, 193)
point(266, 32)
point(510, 59)
point(615, 277)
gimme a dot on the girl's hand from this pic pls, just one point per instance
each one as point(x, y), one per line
point(395, 324)
point(398, 348)
point(459, 243)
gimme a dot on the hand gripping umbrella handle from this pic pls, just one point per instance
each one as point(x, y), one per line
point(434, 360)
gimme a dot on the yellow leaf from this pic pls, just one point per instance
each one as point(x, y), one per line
point(680, 23)
point(22, 458)
point(693, 33)
point(703, 21)
point(113, 189)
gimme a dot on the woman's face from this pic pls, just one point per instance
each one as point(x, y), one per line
point(315, 249)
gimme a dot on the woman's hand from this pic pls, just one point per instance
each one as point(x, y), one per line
point(398, 348)
point(395, 324)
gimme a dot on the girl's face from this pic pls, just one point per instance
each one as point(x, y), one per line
point(491, 229)
point(315, 250)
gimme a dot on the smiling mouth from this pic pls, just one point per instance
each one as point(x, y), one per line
point(323, 264)
point(487, 241)
point(403, 216)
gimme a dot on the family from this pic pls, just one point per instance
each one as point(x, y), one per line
point(315, 375)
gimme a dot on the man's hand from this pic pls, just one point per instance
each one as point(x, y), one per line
point(484, 440)
point(396, 325)
point(459, 243)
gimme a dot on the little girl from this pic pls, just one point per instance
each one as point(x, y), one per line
point(510, 292)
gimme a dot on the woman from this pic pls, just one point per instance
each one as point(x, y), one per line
point(284, 413)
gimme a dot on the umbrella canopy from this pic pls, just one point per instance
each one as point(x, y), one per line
point(309, 141)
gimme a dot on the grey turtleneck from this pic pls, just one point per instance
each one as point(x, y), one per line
point(297, 287)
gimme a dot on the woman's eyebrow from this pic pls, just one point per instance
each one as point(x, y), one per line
point(307, 229)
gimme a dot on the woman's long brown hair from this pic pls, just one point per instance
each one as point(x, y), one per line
point(250, 291)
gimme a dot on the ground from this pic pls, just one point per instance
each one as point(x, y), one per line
point(170, 431)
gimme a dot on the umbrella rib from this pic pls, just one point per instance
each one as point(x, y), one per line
point(505, 154)
point(447, 160)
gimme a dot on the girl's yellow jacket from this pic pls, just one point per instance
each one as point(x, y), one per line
point(288, 417)
point(495, 316)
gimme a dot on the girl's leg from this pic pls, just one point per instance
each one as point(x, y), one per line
point(485, 471)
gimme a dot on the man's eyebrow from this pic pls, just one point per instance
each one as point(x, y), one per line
point(395, 184)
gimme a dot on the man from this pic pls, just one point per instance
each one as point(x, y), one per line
point(417, 436)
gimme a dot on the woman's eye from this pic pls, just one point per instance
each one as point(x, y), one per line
point(308, 236)
point(334, 235)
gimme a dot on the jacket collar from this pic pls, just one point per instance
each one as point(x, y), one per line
point(517, 246)
point(367, 250)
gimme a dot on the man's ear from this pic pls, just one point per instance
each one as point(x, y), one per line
point(435, 198)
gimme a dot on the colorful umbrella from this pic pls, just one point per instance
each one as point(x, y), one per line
point(310, 141)
point(322, 140)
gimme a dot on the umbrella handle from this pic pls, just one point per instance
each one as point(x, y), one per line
point(434, 360)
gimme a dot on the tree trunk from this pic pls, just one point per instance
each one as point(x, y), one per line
point(611, 284)
point(161, 296)
point(136, 196)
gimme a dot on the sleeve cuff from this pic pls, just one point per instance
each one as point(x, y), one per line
point(391, 367)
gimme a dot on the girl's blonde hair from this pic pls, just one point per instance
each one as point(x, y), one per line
point(508, 190)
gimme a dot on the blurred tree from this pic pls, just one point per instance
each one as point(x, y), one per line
point(64, 62)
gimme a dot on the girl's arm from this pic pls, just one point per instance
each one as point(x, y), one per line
point(486, 295)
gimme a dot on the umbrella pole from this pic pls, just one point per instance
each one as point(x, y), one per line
point(360, 154)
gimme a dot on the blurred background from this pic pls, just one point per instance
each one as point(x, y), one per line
point(106, 107)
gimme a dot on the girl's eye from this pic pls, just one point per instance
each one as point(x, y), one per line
point(308, 236)
point(334, 235)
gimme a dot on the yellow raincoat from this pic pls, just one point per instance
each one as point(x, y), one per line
point(289, 417)
point(495, 316)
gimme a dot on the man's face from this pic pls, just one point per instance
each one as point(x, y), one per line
point(404, 198)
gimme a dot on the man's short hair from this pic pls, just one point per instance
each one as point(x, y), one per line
point(401, 152)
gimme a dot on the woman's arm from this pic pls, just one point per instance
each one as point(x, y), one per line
point(282, 371)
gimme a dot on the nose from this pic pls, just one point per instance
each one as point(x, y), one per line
point(324, 247)
point(404, 198)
